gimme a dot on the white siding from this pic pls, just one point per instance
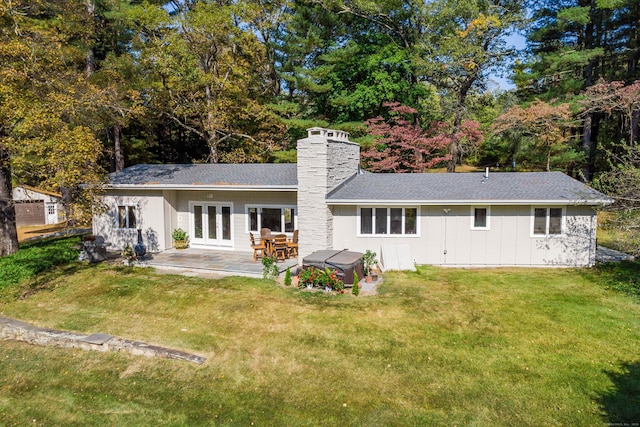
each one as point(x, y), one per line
point(150, 219)
point(239, 200)
point(160, 212)
point(508, 241)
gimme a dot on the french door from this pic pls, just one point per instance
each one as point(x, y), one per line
point(211, 224)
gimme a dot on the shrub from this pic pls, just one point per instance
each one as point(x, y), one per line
point(321, 278)
point(179, 234)
point(287, 277)
point(269, 268)
point(355, 290)
point(368, 261)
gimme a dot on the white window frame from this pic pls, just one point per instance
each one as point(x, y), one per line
point(487, 225)
point(282, 219)
point(136, 212)
point(388, 208)
point(547, 216)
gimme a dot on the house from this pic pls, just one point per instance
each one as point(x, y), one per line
point(37, 207)
point(462, 219)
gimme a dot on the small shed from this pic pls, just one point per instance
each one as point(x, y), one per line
point(37, 207)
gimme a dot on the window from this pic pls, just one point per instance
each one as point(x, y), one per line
point(382, 221)
point(278, 219)
point(51, 209)
point(547, 221)
point(126, 216)
point(480, 218)
point(366, 221)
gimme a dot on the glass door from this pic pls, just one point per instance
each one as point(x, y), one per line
point(211, 224)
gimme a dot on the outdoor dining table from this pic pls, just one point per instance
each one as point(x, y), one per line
point(268, 243)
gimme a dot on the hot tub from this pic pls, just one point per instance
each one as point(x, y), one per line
point(345, 262)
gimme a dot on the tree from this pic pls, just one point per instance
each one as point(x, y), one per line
point(547, 126)
point(210, 68)
point(622, 183)
point(403, 146)
point(44, 101)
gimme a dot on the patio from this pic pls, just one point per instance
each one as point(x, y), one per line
point(208, 261)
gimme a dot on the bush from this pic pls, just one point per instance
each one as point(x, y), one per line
point(369, 260)
point(179, 234)
point(269, 268)
point(37, 257)
point(287, 277)
point(321, 278)
point(355, 290)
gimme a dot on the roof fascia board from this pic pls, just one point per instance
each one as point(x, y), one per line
point(202, 187)
point(469, 202)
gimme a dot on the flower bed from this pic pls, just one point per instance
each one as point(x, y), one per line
point(316, 278)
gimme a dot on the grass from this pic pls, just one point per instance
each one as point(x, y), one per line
point(439, 346)
point(37, 257)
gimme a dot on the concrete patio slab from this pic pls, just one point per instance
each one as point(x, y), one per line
point(214, 262)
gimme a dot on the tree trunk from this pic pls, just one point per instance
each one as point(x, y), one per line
point(633, 131)
point(588, 44)
point(117, 149)
point(454, 146)
point(90, 60)
point(8, 232)
point(210, 132)
point(66, 203)
point(549, 159)
point(453, 152)
point(587, 170)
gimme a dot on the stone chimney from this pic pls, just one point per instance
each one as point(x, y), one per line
point(326, 158)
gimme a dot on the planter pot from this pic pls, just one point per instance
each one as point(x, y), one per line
point(369, 279)
point(181, 244)
point(294, 281)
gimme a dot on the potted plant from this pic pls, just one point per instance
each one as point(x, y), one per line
point(129, 255)
point(180, 238)
point(368, 261)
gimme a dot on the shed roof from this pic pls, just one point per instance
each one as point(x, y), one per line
point(184, 176)
point(465, 188)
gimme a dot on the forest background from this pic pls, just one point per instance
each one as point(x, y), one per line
point(89, 87)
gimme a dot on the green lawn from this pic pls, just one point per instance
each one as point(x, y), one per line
point(436, 347)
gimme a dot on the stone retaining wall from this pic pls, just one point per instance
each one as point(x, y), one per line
point(11, 329)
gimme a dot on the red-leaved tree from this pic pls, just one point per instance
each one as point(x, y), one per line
point(403, 146)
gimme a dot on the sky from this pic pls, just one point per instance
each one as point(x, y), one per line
point(518, 41)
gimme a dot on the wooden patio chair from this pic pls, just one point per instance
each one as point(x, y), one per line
point(293, 245)
point(280, 248)
point(265, 232)
point(257, 247)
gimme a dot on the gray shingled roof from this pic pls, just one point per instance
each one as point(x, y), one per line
point(370, 187)
point(465, 187)
point(207, 175)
